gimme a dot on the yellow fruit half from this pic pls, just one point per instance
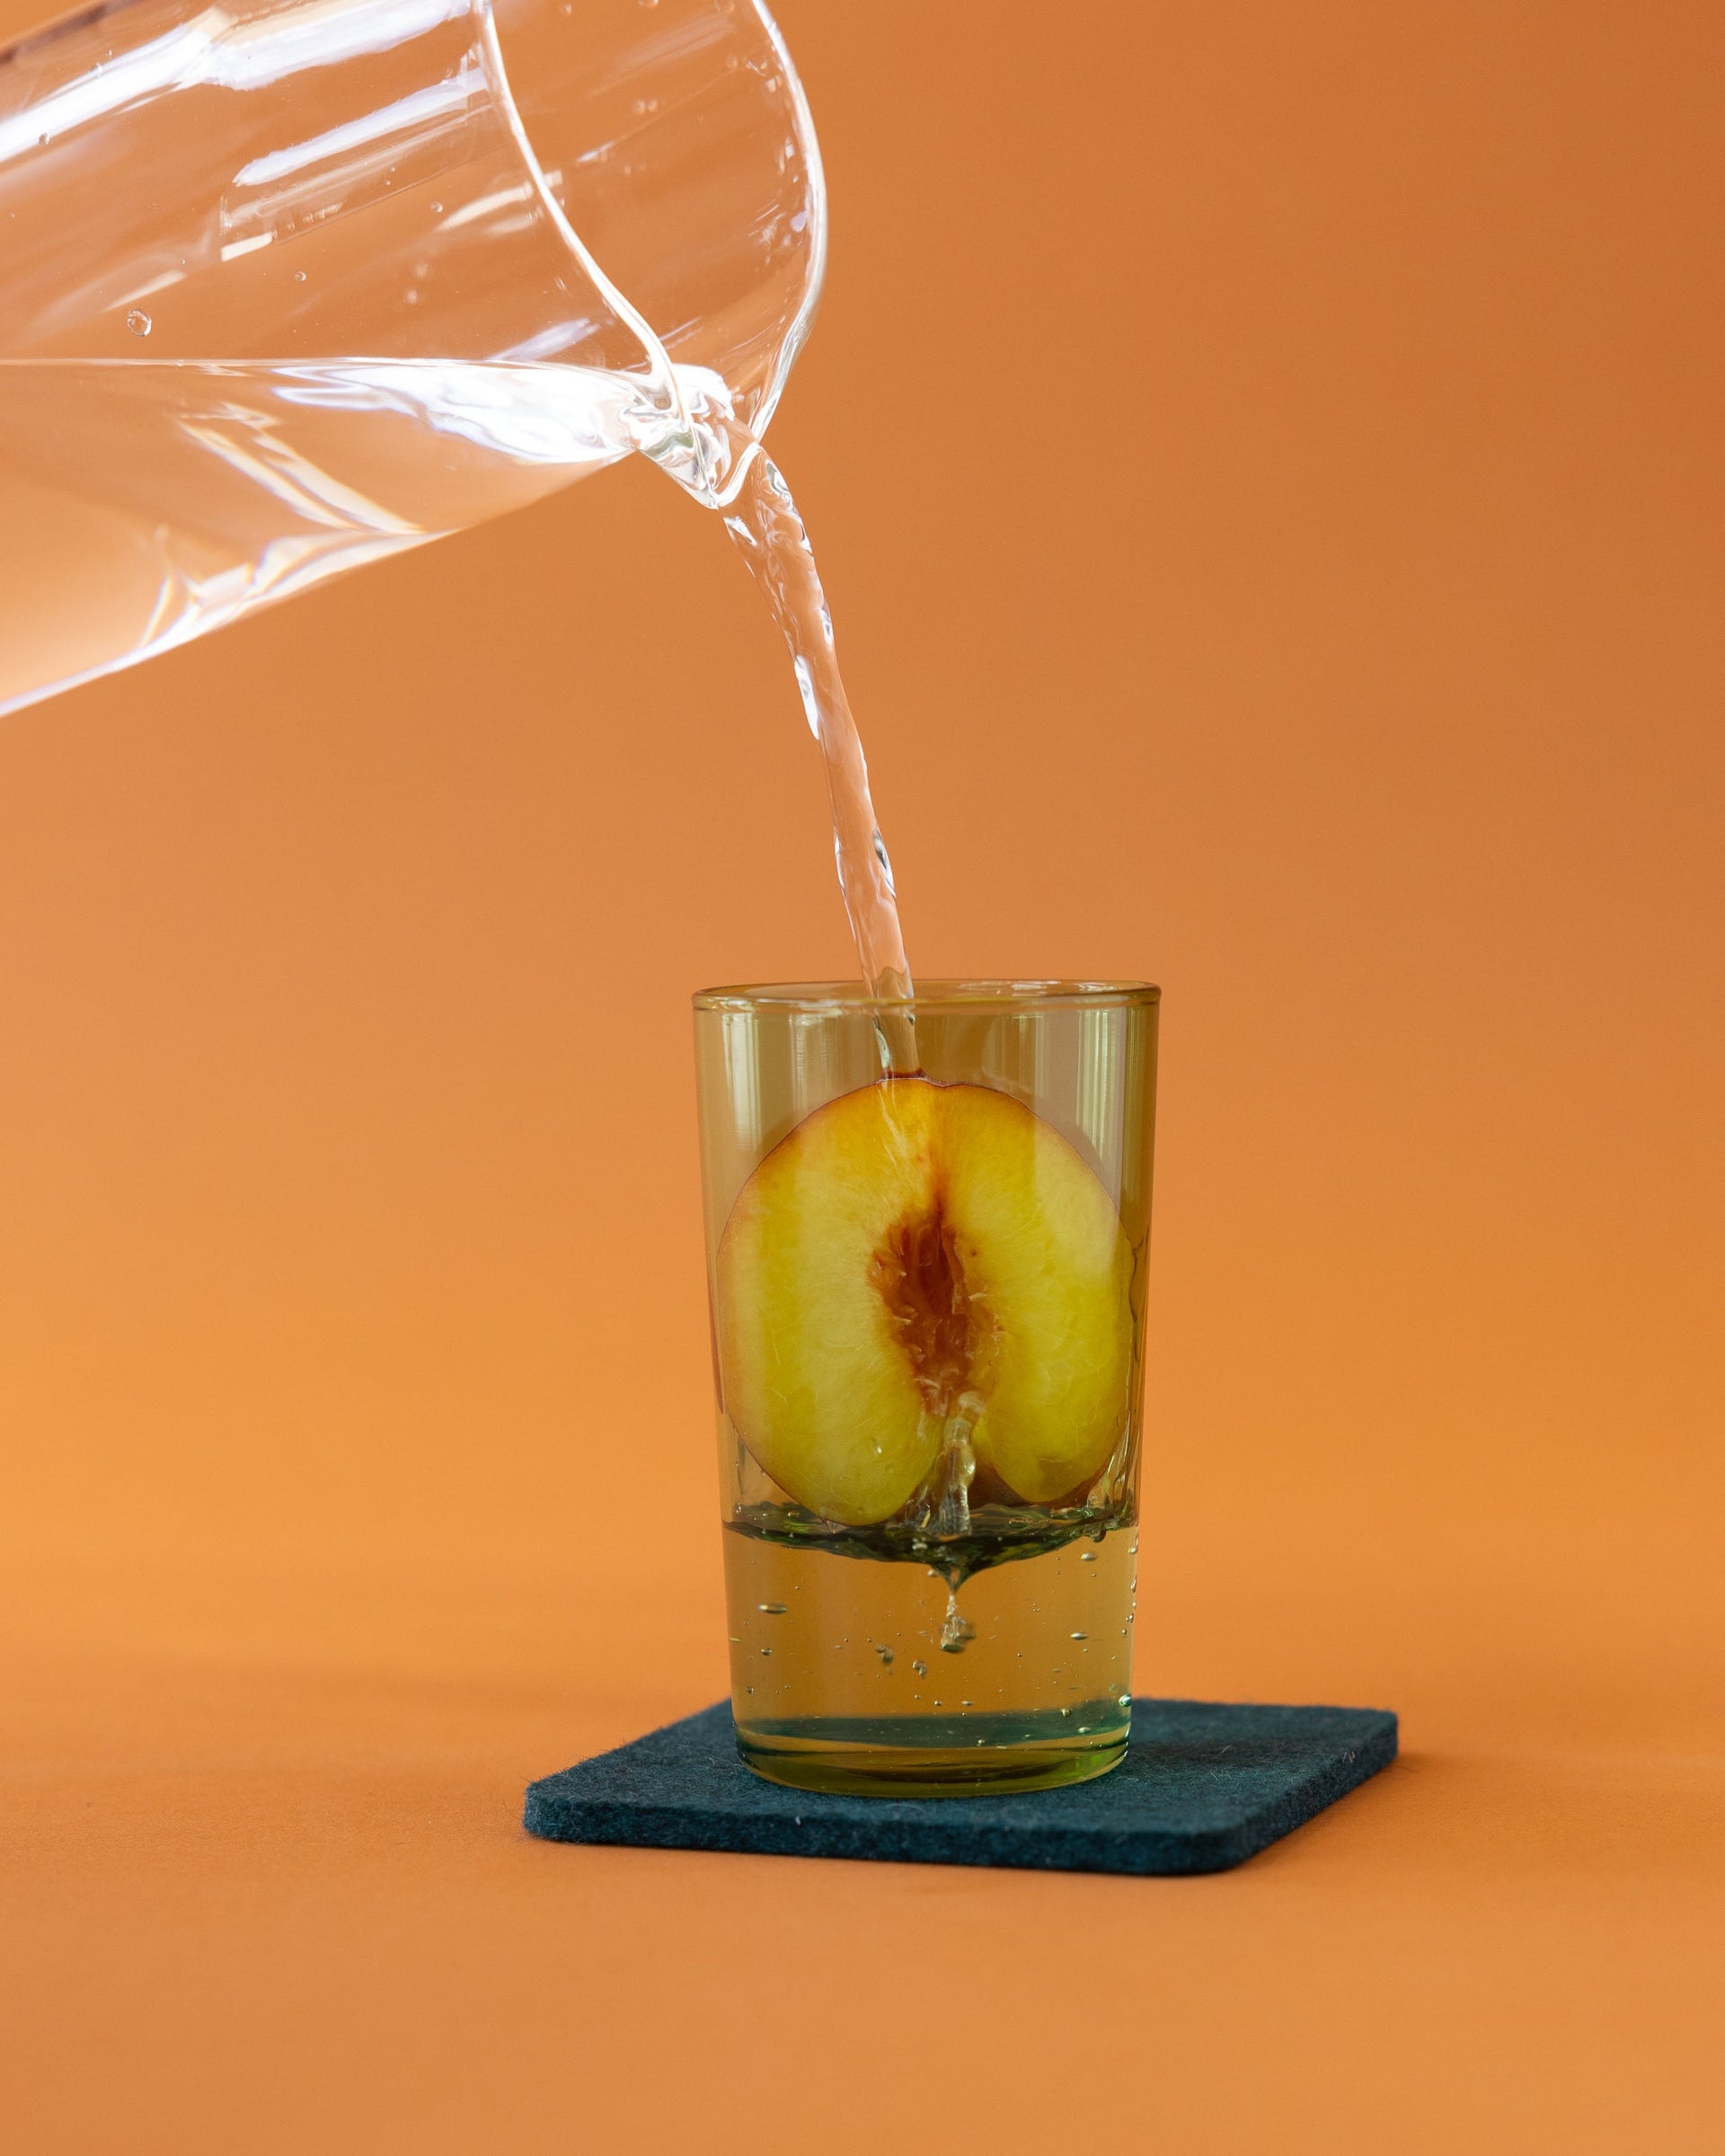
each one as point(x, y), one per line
point(910, 1251)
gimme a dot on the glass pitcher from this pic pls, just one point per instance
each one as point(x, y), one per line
point(290, 285)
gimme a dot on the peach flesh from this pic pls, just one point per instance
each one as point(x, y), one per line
point(911, 1254)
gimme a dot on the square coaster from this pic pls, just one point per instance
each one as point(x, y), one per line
point(1203, 1787)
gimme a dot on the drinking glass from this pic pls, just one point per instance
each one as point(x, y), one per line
point(286, 285)
point(927, 1296)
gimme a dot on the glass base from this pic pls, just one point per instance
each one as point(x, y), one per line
point(813, 1759)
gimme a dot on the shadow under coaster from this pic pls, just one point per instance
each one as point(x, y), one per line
point(1202, 1787)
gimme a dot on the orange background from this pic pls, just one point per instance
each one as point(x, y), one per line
point(1311, 601)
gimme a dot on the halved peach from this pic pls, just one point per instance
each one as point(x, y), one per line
point(909, 1253)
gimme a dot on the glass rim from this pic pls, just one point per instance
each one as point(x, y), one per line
point(840, 998)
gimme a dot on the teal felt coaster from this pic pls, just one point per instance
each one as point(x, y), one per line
point(1202, 1787)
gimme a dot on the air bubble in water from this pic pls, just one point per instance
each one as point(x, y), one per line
point(921, 1668)
point(771, 1609)
point(138, 323)
point(885, 1654)
point(300, 277)
point(957, 1632)
point(1086, 1557)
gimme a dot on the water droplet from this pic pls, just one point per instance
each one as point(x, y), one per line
point(1125, 1700)
point(300, 277)
point(885, 1654)
point(771, 1609)
point(412, 297)
point(921, 1668)
point(138, 323)
point(436, 207)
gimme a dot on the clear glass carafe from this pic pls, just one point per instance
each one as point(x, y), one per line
point(288, 286)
